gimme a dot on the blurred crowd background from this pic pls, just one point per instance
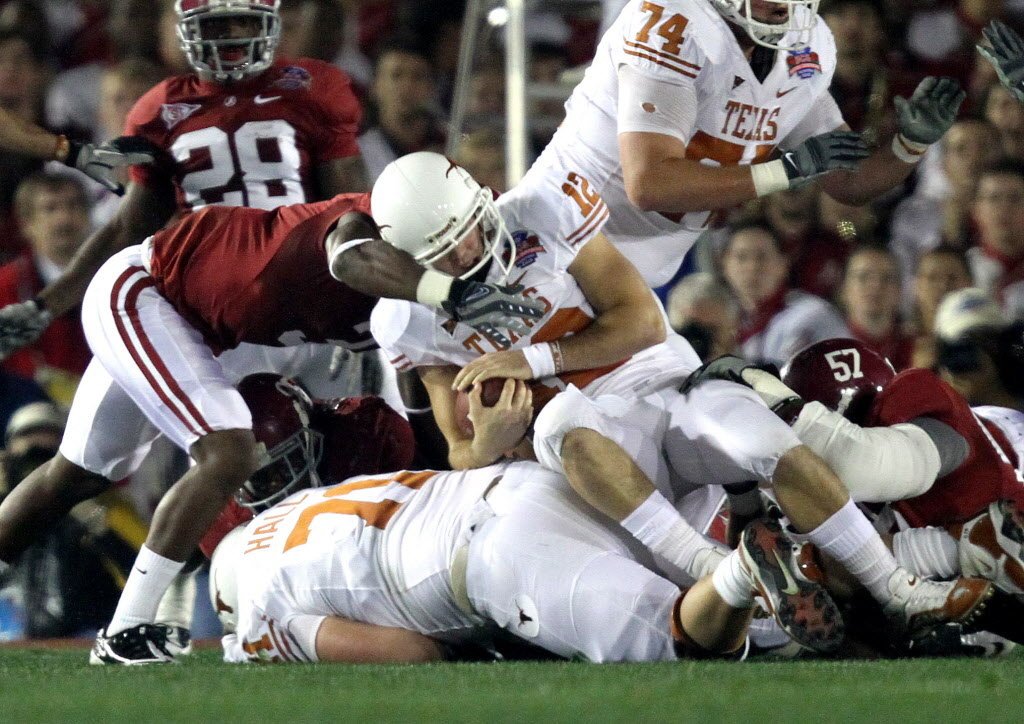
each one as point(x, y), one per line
point(931, 276)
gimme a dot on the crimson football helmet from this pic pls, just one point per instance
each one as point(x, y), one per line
point(220, 56)
point(291, 448)
point(842, 374)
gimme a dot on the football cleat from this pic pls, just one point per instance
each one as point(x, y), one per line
point(919, 605)
point(992, 546)
point(179, 641)
point(804, 610)
point(143, 644)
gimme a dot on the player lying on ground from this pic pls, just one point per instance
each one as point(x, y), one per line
point(398, 567)
point(157, 315)
point(686, 108)
point(609, 375)
point(949, 472)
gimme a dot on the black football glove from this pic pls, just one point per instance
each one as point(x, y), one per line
point(99, 162)
point(22, 324)
point(832, 151)
point(489, 307)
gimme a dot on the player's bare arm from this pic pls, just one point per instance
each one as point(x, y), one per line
point(496, 430)
point(628, 320)
point(923, 120)
point(343, 640)
point(99, 162)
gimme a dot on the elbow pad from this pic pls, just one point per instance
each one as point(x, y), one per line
point(876, 464)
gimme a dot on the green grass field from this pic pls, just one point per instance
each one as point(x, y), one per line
point(58, 685)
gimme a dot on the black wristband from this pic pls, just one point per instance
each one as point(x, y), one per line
point(40, 304)
point(458, 291)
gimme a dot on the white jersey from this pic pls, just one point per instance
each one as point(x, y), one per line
point(1011, 422)
point(375, 549)
point(739, 119)
point(550, 218)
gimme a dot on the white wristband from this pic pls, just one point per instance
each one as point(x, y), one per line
point(433, 288)
point(335, 248)
point(906, 150)
point(769, 177)
point(541, 359)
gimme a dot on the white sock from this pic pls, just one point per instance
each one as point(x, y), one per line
point(928, 552)
point(149, 579)
point(178, 602)
point(849, 538)
point(658, 525)
point(733, 583)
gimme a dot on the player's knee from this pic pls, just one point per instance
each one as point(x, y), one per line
point(227, 457)
point(567, 412)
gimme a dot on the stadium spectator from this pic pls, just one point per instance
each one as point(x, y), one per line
point(482, 153)
point(23, 78)
point(1003, 111)
point(975, 345)
point(702, 309)
point(70, 579)
point(485, 105)
point(866, 78)
point(939, 212)
point(997, 262)
point(311, 29)
point(15, 393)
point(75, 103)
point(871, 299)
point(53, 211)
point(816, 254)
point(403, 106)
point(120, 87)
point(169, 51)
point(939, 272)
point(776, 321)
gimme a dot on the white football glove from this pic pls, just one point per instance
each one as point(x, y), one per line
point(21, 324)
point(100, 162)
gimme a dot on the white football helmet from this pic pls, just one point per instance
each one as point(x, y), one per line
point(425, 204)
point(224, 578)
point(206, 55)
point(803, 16)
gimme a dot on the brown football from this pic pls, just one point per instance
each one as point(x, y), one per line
point(489, 396)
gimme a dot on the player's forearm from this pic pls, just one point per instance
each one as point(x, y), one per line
point(672, 184)
point(19, 136)
point(471, 454)
point(616, 334)
point(377, 269)
point(878, 173)
point(344, 641)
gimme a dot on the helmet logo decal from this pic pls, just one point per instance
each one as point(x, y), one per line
point(452, 166)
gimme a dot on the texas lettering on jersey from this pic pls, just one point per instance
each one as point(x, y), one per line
point(253, 143)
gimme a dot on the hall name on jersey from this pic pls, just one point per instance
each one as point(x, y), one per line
point(750, 123)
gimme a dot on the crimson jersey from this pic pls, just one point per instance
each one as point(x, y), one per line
point(252, 143)
point(986, 475)
point(248, 275)
point(362, 436)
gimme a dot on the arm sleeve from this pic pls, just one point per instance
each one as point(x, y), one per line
point(404, 331)
point(649, 104)
point(822, 117)
point(876, 464)
point(303, 628)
